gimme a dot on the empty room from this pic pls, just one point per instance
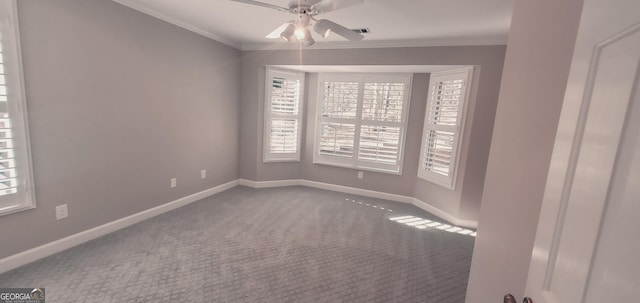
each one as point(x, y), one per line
point(319, 151)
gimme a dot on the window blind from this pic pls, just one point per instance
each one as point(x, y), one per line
point(284, 135)
point(282, 115)
point(438, 152)
point(380, 144)
point(383, 101)
point(337, 139)
point(443, 126)
point(285, 95)
point(16, 183)
point(362, 120)
point(340, 99)
point(8, 182)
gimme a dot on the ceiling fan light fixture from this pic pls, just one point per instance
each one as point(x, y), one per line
point(308, 39)
point(306, 11)
point(300, 33)
point(288, 32)
point(322, 28)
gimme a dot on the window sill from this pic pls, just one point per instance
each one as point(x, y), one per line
point(280, 161)
point(15, 209)
point(360, 168)
point(443, 183)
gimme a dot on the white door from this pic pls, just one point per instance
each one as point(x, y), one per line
point(587, 246)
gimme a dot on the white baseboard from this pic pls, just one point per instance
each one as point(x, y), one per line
point(265, 184)
point(51, 248)
point(444, 215)
point(358, 191)
point(327, 186)
point(366, 193)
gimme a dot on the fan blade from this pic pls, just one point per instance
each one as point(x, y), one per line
point(275, 34)
point(262, 4)
point(332, 5)
point(340, 30)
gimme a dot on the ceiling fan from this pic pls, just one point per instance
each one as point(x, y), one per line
point(306, 11)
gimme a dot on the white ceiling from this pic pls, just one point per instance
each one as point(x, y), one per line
point(393, 23)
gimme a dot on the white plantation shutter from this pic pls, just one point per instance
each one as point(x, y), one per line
point(284, 136)
point(16, 191)
point(383, 101)
point(438, 152)
point(340, 99)
point(382, 122)
point(8, 181)
point(380, 144)
point(338, 112)
point(362, 120)
point(283, 106)
point(337, 139)
point(444, 120)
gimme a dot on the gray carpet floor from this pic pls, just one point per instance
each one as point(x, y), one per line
point(292, 244)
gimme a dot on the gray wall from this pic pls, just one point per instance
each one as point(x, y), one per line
point(119, 102)
point(475, 145)
point(535, 76)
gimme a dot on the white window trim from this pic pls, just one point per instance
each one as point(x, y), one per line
point(354, 163)
point(448, 182)
point(25, 197)
point(267, 156)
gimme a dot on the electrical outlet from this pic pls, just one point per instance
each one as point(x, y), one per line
point(173, 182)
point(203, 174)
point(61, 211)
point(360, 175)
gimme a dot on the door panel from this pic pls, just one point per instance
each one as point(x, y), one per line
point(615, 74)
point(615, 273)
point(601, 86)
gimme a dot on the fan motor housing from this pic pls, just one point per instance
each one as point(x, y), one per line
point(303, 7)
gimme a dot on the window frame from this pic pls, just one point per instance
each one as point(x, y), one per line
point(267, 155)
point(424, 174)
point(353, 162)
point(25, 197)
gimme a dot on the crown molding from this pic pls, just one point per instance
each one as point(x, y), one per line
point(177, 22)
point(469, 41)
